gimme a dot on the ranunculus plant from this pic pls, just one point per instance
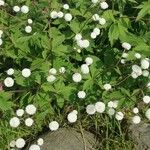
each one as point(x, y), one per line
point(72, 62)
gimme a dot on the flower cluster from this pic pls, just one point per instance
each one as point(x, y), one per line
point(67, 16)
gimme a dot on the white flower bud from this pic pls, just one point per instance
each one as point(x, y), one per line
point(51, 78)
point(9, 82)
point(20, 112)
point(40, 141)
point(60, 14)
point(102, 21)
point(30, 109)
point(34, 147)
point(26, 72)
point(72, 117)
point(29, 122)
point(28, 29)
point(53, 71)
point(68, 17)
point(66, 6)
point(81, 94)
point(16, 8)
point(147, 114)
point(145, 63)
point(85, 69)
point(20, 143)
point(100, 107)
point(10, 71)
point(25, 9)
point(77, 77)
point(126, 46)
point(90, 109)
point(107, 87)
point(89, 60)
point(119, 116)
point(54, 14)
point(146, 99)
point(14, 122)
point(136, 119)
point(135, 110)
point(104, 5)
point(54, 126)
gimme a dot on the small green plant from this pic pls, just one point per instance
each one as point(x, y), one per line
point(78, 61)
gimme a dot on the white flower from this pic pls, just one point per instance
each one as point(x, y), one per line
point(93, 35)
point(123, 61)
point(86, 44)
point(9, 82)
point(89, 60)
point(134, 75)
point(10, 71)
point(68, 17)
point(79, 50)
point(147, 114)
point(111, 111)
point(100, 107)
point(96, 31)
point(77, 77)
point(12, 143)
point(126, 46)
point(25, 9)
point(85, 69)
point(72, 117)
point(110, 104)
point(1, 41)
point(125, 55)
point(20, 143)
point(94, 1)
point(102, 21)
point(90, 109)
point(28, 29)
point(66, 6)
point(16, 8)
point(148, 85)
point(78, 37)
point(145, 63)
point(80, 43)
point(81, 94)
point(104, 5)
point(136, 119)
point(95, 17)
point(107, 87)
point(30, 21)
point(2, 3)
point(14, 122)
point(51, 78)
point(119, 116)
point(60, 14)
point(54, 14)
point(26, 72)
point(54, 126)
point(137, 70)
point(30, 109)
point(53, 71)
point(75, 111)
point(1, 32)
point(62, 70)
point(145, 73)
point(29, 122)
point(20, 112)
point(115, 104)
point(137, 55)
point(146, 99)
point(34, 147)
point(135, 110)
point(40, 141)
